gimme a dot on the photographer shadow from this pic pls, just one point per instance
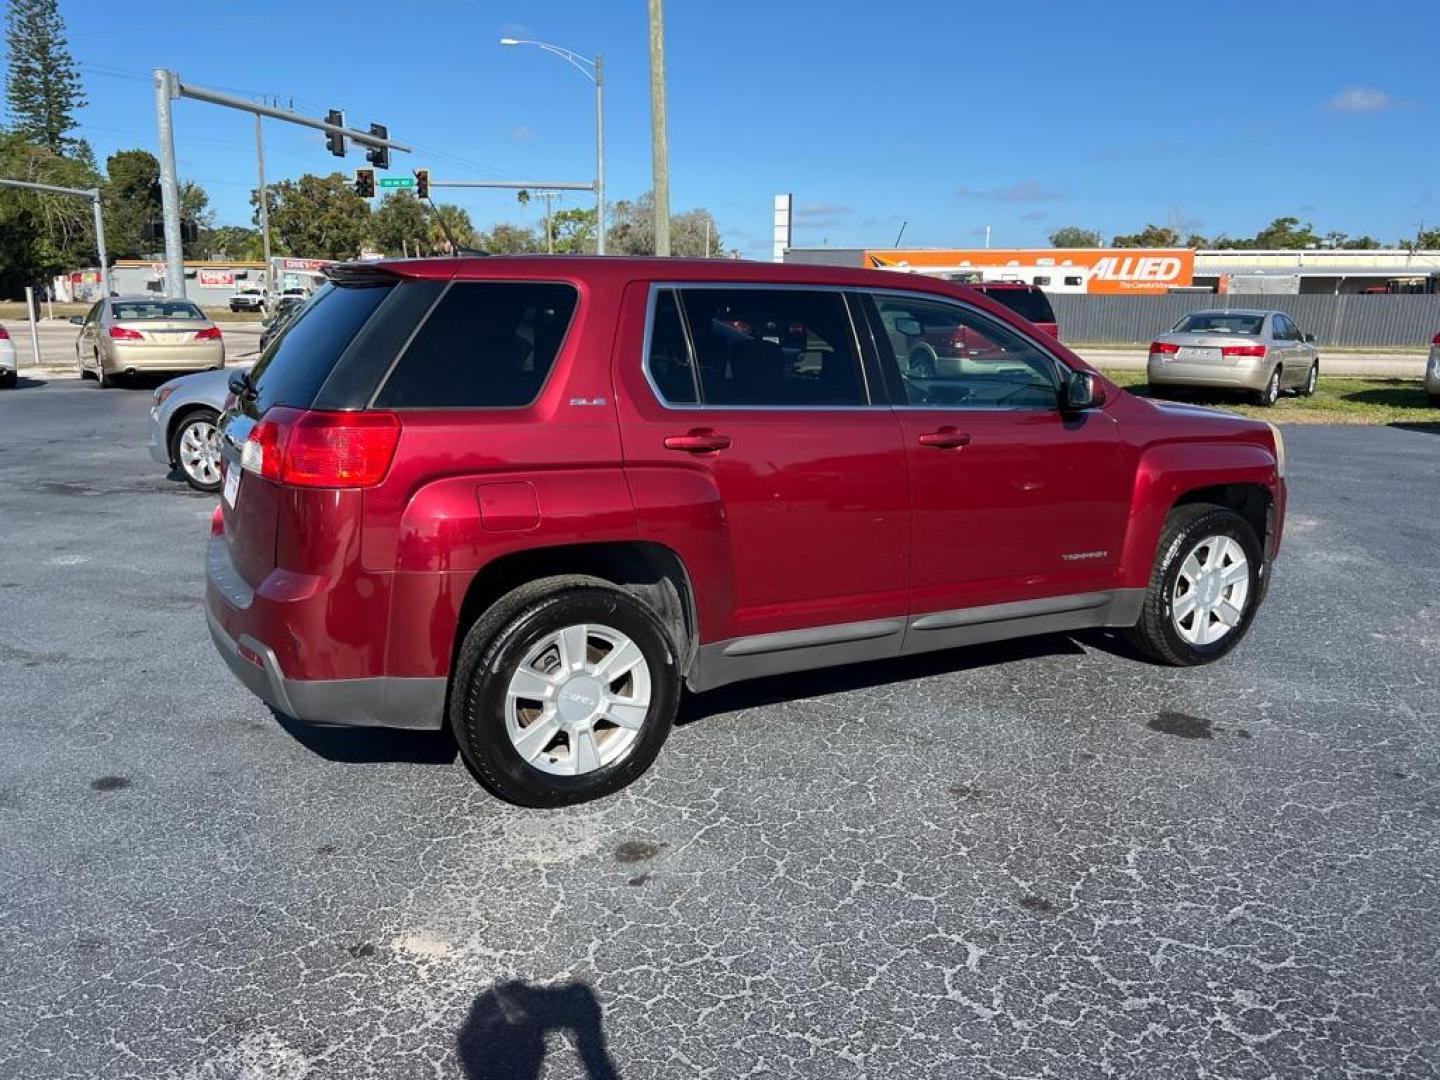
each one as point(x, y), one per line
point(503, 1038)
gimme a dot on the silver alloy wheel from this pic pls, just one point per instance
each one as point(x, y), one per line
point(199, 451)
point(578, 700)
point(1211, 590)
point(1312, 379)
point(1272, 388)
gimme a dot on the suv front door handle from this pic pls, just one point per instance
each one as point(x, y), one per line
point(698, 441)
point(947, 438)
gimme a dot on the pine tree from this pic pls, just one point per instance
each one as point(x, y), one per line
point(42, 87)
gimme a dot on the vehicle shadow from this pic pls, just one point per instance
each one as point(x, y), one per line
point(1417, 426)
point(503, 1038)
point(371, 745)
point(1397, 394)
point(776, 689)
point(27, 382)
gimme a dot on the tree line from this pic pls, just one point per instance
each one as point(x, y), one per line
point(313, 216)
point(1287, 233)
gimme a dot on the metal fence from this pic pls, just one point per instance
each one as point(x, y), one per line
point(1355, 321)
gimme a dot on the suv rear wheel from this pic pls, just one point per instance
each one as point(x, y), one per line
point(563, 691)
point(1204, 587)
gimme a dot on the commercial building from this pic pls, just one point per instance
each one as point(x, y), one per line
point(209, 283)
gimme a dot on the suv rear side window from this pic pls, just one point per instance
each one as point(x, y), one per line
point(487, 344)
point(769, 347)
point(298, 362)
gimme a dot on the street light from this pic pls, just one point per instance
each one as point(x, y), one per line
point(594, 70)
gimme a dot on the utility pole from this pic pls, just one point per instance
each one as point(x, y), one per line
point(549, 197)
point(264, 208)
point(169, 185)
point(659, 147)
point(599, 154)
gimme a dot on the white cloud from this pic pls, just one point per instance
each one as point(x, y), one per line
point(1359, 99)
point(1024, 191)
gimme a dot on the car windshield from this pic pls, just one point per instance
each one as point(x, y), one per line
point(1220, 322)
point(142, 310)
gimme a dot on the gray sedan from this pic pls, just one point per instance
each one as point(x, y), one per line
point(183, 434)
point(1263, 352)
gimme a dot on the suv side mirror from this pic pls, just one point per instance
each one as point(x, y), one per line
point(1309, 339)
point(1083, 391)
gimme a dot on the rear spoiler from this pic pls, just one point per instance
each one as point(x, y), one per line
point(359, 275)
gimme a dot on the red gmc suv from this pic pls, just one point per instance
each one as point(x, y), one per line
point(531, 497)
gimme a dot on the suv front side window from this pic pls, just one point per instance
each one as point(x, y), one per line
point(950, 355)
point(759, 347)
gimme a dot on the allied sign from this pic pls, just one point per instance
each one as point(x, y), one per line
point(397, 181)
point(215, 278)
point(1061, 270)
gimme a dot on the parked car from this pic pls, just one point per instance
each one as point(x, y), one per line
point(9, 363)
point(285, 309)
point(533, 497)
point(127, 335)
point(1432, 372)
point(1263, 352)
point(183, 431)
point(1026, 300)
point(251, 298)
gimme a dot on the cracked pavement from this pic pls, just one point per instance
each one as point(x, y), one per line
point(1045, 858)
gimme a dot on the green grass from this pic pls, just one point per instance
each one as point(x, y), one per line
point(1336, 401)
point(14, 311)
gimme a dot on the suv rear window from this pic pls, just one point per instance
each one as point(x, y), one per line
point(486, 345)
point(296, 365)
point(1029, 304)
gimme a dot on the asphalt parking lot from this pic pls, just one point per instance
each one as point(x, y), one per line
point(1041, 859)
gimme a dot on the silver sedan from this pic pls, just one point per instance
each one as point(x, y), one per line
point(1263, 352)
point(183, 434)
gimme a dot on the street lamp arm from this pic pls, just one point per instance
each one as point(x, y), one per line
point(582, 64)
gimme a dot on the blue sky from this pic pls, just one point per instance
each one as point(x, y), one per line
point(946, 115)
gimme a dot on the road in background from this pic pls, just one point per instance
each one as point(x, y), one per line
point(1039, 858)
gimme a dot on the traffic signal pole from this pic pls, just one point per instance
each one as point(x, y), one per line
point(93, 194)
point(168, 87)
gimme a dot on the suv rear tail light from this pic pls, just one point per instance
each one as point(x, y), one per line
point(322, 449)
point(1163, 347)
point(5, 334)
point(210, 333)
point(124, 333)
point(1242, 350)
point(1433, 341)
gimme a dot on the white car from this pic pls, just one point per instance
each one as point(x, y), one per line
point(9, 364)
point(1432, 372)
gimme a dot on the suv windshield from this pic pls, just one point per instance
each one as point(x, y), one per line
point(141, 310)
point(1220, 322)
point(1029, 304)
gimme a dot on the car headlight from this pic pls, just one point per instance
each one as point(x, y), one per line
point(162, 393)
point(1279, 450)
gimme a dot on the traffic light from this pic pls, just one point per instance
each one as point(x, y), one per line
point(365, 183)
point(189, 232)
point(334, 141)
point(379, 156)
point(422, 183)
point(154, 230)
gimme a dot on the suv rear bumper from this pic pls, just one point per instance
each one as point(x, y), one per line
point(374, 701)
point(418, 704)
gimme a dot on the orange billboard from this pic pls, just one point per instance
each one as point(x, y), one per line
point(1075, 270)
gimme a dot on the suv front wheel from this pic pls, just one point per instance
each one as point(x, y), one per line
point(563, 691)
point(1204, 587)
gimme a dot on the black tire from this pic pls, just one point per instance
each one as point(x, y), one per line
point(1155, 634)
point(1435, 401)
point(497, 643)
point(188, 420)
point(1271, 393)
point(103, 380)
point(9, 379)
point(1312, 380)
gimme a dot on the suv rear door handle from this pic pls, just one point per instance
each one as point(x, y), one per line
point(947, 438)
point(699, 441)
